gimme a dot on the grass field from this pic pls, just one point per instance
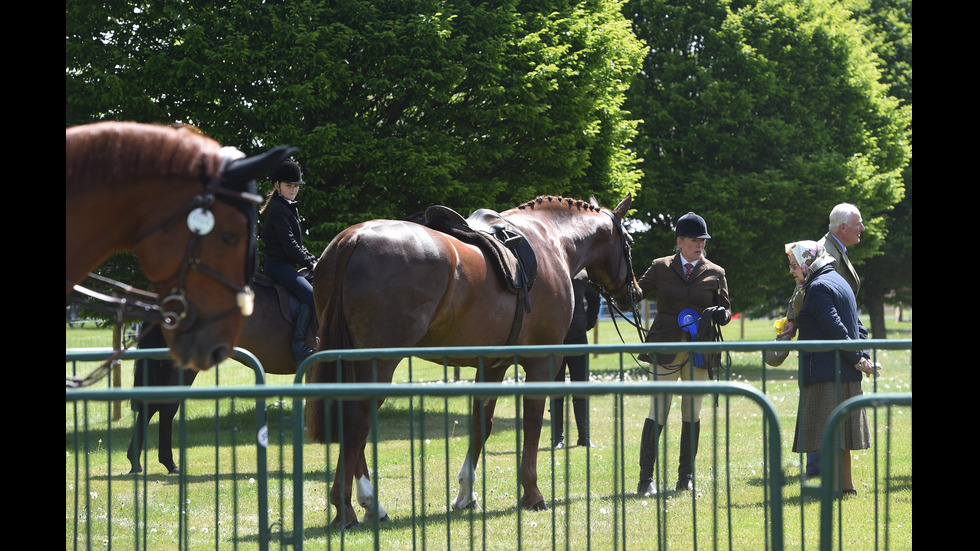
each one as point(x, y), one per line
point(422, 443)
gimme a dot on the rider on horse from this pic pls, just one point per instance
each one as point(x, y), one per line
point(282, 239)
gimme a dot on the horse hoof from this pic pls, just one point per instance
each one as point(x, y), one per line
point(539, 506)
point(352, 525)
point(175, 470)
point(136, 470)
point(368, 520)
point(469, 505)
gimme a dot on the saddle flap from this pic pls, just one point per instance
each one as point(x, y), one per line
point(503, 245)
point(285, 307)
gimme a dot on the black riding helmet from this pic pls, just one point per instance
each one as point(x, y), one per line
point(692, 225)
point(289, 172)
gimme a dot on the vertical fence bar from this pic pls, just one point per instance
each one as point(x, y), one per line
point(623, 538)
point(830, 437)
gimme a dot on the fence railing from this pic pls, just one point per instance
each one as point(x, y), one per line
point(603, 494)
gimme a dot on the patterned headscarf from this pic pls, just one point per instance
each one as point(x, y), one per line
point(809, 255)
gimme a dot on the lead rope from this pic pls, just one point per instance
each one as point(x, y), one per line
point(100, 372)
point(635, 322)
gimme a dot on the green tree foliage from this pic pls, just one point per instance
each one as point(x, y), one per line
point(761, 116)
point(396, 105)
point(887, 276)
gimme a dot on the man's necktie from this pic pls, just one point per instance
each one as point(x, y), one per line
point(687, 271)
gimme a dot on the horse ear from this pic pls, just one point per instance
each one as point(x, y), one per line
point(593, 202)
point(259, 166)
point(623, 207)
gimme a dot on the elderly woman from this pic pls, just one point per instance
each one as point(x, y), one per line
point(827, 378)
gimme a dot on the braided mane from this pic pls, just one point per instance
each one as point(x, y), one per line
point(554, 202)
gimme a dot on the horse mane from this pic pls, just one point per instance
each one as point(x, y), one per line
point(556, 202)
point(122, 152)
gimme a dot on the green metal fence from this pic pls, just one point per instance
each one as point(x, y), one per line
point(263, 485)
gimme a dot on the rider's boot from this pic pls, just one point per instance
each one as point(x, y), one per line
point(300, 325)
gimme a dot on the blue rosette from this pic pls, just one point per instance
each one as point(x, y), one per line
point(688, 321)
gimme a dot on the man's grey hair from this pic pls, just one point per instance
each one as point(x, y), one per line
point(841, 215)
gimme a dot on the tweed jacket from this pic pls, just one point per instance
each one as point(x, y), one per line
point(842, 264)
point(665, 280)
point(829, 312)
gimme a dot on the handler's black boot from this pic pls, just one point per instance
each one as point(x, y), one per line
point(648, 457)
point(690, 434)
point(557, 423)
point(581, 408)
point(300, 325)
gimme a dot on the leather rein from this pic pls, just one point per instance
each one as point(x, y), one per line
point(627, 282)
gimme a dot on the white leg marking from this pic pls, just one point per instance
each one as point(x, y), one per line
point(365, 497)
point(466, 496)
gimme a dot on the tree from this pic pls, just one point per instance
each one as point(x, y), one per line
point(887, 276)
point(760, 116)
point(395, 106)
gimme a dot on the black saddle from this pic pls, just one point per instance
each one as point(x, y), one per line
point(505, 248)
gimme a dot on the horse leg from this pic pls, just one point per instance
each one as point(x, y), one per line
point(533, 417)
point(537, 370)
point(351, 454)
point(483, 409)
point(467, 474)
point(366, 495)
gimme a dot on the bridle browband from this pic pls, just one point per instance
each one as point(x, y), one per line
point(122, 302)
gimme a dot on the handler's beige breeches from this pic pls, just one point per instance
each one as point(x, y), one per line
point(690, 405)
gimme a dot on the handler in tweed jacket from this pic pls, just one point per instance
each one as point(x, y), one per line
point(685, 280)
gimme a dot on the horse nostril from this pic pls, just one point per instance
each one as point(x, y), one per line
point(219, 354)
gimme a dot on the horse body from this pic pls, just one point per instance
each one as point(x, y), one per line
point(267, 334)
point(183, 204)
point(398, 284)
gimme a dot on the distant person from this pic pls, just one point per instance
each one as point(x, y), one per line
point(285, 255)
point(584, 318)
point(828, 312)
point(686, 281)
point(845, 229)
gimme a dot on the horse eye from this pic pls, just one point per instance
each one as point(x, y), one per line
point(229, 238)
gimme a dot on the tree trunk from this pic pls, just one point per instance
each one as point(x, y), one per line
point(875, 302)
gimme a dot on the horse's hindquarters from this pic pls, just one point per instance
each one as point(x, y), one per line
point(394, 283)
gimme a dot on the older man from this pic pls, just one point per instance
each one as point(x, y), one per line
point(845, 229)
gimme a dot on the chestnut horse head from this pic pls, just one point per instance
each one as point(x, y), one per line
point(393, 284)
point(186, 207)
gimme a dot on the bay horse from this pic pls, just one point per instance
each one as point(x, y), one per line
point(393, 284)
point(267, 334)
point(186, 206)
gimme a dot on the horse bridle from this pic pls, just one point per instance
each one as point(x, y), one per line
point(174, 311)
point(627, 282)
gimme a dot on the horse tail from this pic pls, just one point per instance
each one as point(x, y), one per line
point(323, 414)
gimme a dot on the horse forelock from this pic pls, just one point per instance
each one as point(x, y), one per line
point(107, 153)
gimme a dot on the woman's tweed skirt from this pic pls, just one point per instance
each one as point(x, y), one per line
point(817, 401)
